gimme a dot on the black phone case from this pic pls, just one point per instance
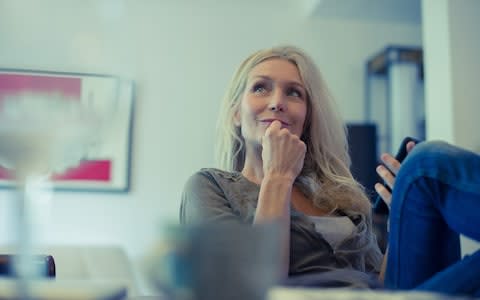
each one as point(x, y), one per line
point(379, 206)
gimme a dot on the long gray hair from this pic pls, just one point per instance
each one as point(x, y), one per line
point(325, 177)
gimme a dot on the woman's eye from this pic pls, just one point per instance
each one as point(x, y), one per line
point(294, 93)
point(259, 88)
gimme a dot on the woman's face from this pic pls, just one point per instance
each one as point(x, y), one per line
point(274, 91)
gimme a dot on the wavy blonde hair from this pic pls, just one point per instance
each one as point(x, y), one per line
point(325, 177)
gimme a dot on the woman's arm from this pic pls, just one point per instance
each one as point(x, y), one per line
point(383, 268)
point(283, 154)
point(274, 205)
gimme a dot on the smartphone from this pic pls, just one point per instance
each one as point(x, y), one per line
point(379, 206)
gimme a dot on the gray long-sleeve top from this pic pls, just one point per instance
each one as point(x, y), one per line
point(220, 196)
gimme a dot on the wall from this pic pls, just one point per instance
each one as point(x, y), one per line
point(451, 48)
point(451, 39)
point(181, 55)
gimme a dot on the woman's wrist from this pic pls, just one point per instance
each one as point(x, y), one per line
point(282, 178)
point(275, 195)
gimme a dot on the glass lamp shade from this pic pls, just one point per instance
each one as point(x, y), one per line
point(40, 134)
point(43, 133)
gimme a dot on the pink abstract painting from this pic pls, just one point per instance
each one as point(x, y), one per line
point(71, 87)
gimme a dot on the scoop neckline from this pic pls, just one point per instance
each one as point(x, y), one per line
point(292, 209)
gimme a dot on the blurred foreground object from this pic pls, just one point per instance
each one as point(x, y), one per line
point(217, 261)
point(46, 265)
point(44, 133)
point(40, 133)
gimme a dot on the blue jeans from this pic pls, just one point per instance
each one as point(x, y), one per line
point(436, 198)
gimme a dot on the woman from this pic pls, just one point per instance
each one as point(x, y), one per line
point(283, 154)
point(283, 157)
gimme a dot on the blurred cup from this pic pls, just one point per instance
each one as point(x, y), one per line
point(219, 261)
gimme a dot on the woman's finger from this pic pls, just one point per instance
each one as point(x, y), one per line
point(384, 193)
point(410, 146)
point(386, 175)
point(390, 162)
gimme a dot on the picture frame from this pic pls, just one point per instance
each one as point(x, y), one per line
point(106, 166)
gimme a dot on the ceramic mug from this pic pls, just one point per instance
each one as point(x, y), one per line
point(219, 261)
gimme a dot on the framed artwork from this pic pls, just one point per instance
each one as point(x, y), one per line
point(105, 166)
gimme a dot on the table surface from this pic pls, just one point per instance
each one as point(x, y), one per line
point(86, 290)
point(280, 293)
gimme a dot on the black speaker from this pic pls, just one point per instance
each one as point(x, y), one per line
point(362, 142)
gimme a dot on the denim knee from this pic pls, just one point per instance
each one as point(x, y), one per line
point(442, 162)
point(441, 152)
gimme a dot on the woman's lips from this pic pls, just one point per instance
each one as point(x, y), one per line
point(270, 121)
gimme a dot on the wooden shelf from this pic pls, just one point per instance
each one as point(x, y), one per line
point(378, 64)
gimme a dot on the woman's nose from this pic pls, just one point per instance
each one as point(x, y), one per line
point(277, 102)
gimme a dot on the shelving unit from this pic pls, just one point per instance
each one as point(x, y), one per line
point(394, 99)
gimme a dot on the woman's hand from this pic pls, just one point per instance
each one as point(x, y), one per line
point(283, 153)
point(388, 172)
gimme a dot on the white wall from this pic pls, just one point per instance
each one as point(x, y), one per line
point(181, 55)
point(451, 39)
